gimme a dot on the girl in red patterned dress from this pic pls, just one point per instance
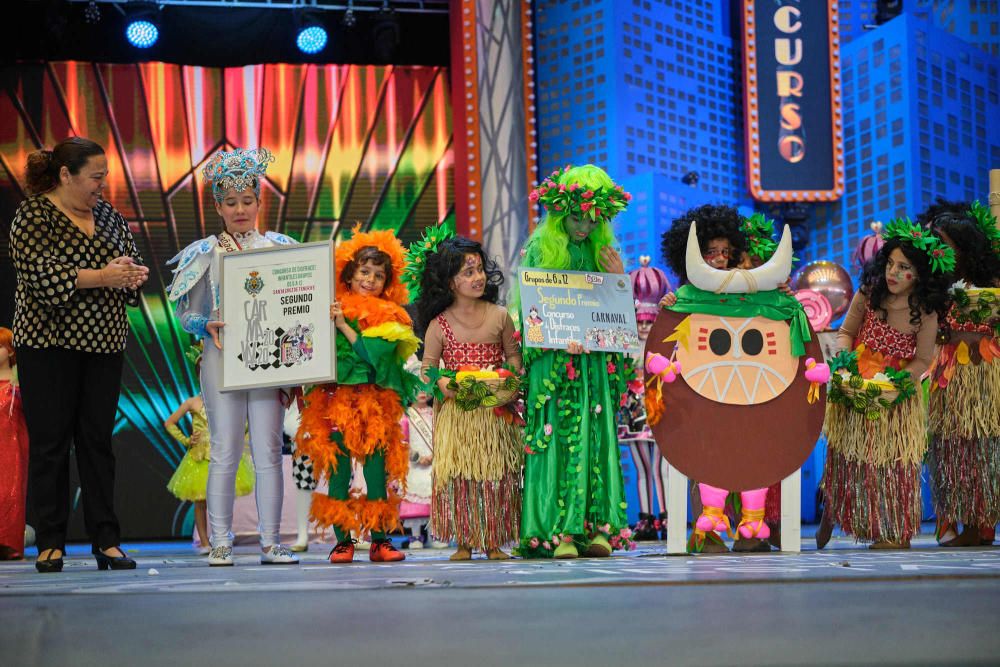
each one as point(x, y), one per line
point(871, 482)
point(477, 453)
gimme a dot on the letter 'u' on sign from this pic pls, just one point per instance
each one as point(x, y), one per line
point(784, 54)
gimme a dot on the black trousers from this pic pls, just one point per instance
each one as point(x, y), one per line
point(70, 398)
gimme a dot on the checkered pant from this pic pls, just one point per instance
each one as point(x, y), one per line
point(302, 471)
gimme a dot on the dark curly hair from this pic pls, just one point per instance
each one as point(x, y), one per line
point(930, 291)
point(442, 266)
point(713, 222)
point(975, 261)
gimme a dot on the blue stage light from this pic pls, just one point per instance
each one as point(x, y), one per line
point(141, 33)
point(311, 39)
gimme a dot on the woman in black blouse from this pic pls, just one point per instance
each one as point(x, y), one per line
point(77, 268)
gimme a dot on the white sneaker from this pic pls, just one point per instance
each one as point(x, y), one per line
point(221, 556)
point(277, 554)
point(416, 544)
point(437, 544)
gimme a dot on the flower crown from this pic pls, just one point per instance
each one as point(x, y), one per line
point(599, 204)
point(942, 257)
point(987, 224)
point(240, 170)
point(758, 230)
point(416, 255)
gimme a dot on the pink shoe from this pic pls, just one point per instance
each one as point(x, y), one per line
point(752, 516)
point(713, 516)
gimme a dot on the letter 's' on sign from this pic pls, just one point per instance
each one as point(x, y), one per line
point(791, 73)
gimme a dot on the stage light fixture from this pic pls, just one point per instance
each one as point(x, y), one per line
point(690, 178)
point(349, 20)
point(311, 37)
point(141, 33)
point(92, 14)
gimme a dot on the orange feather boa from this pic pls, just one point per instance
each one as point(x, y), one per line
point(372, 311)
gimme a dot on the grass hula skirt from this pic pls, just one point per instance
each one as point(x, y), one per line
point(964, 456)
point(477, 477)
point(190, 480)
point(872, 476)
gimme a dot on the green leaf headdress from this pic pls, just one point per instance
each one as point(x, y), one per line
point(758, 230)
point(416, 256)
point(942, 257)
point(987, 224)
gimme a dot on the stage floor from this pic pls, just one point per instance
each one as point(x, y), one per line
point(840, 606)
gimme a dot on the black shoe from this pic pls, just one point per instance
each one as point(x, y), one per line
point(50, 564)
point(644, 528)
point(105, 562)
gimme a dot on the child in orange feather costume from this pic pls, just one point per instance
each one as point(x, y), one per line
point(359, 416)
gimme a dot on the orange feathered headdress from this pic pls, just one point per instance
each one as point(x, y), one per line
point(385, 241)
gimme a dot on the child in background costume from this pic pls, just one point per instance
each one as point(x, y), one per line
point(235, 179)
point(649, 285)
point(358, 418)
point(190, 480)
point(418, 429)
point(477, 452)
point(574, 496)
point(964, 454)
point(872, 475)
point(13, 455)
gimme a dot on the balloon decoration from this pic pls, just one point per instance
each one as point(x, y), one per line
point(829, 279)
point(817, 308)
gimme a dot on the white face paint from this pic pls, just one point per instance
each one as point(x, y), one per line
point(737, 361)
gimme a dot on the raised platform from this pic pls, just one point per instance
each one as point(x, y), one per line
point(842, 605)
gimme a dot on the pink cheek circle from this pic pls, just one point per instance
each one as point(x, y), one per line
point(908, 276)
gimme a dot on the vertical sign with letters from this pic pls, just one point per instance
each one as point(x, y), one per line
point(791, 77)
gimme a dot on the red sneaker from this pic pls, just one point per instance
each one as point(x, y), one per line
point(343, 552)
point(382, 551)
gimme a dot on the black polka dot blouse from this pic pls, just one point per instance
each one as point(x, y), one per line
point(48, 250)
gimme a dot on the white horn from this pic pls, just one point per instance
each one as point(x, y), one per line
point(766, 277)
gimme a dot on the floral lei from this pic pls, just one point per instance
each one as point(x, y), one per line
point(853, 393)
point(599, 204)
point(942, 258)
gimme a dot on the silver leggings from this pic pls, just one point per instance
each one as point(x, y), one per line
point(228, 415)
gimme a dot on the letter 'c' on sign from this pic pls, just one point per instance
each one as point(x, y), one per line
point(784, 21)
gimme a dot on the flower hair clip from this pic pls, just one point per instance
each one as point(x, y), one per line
point(598, 204)
point(942, 257)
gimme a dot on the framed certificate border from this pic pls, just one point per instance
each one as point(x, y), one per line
point(276, 306)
